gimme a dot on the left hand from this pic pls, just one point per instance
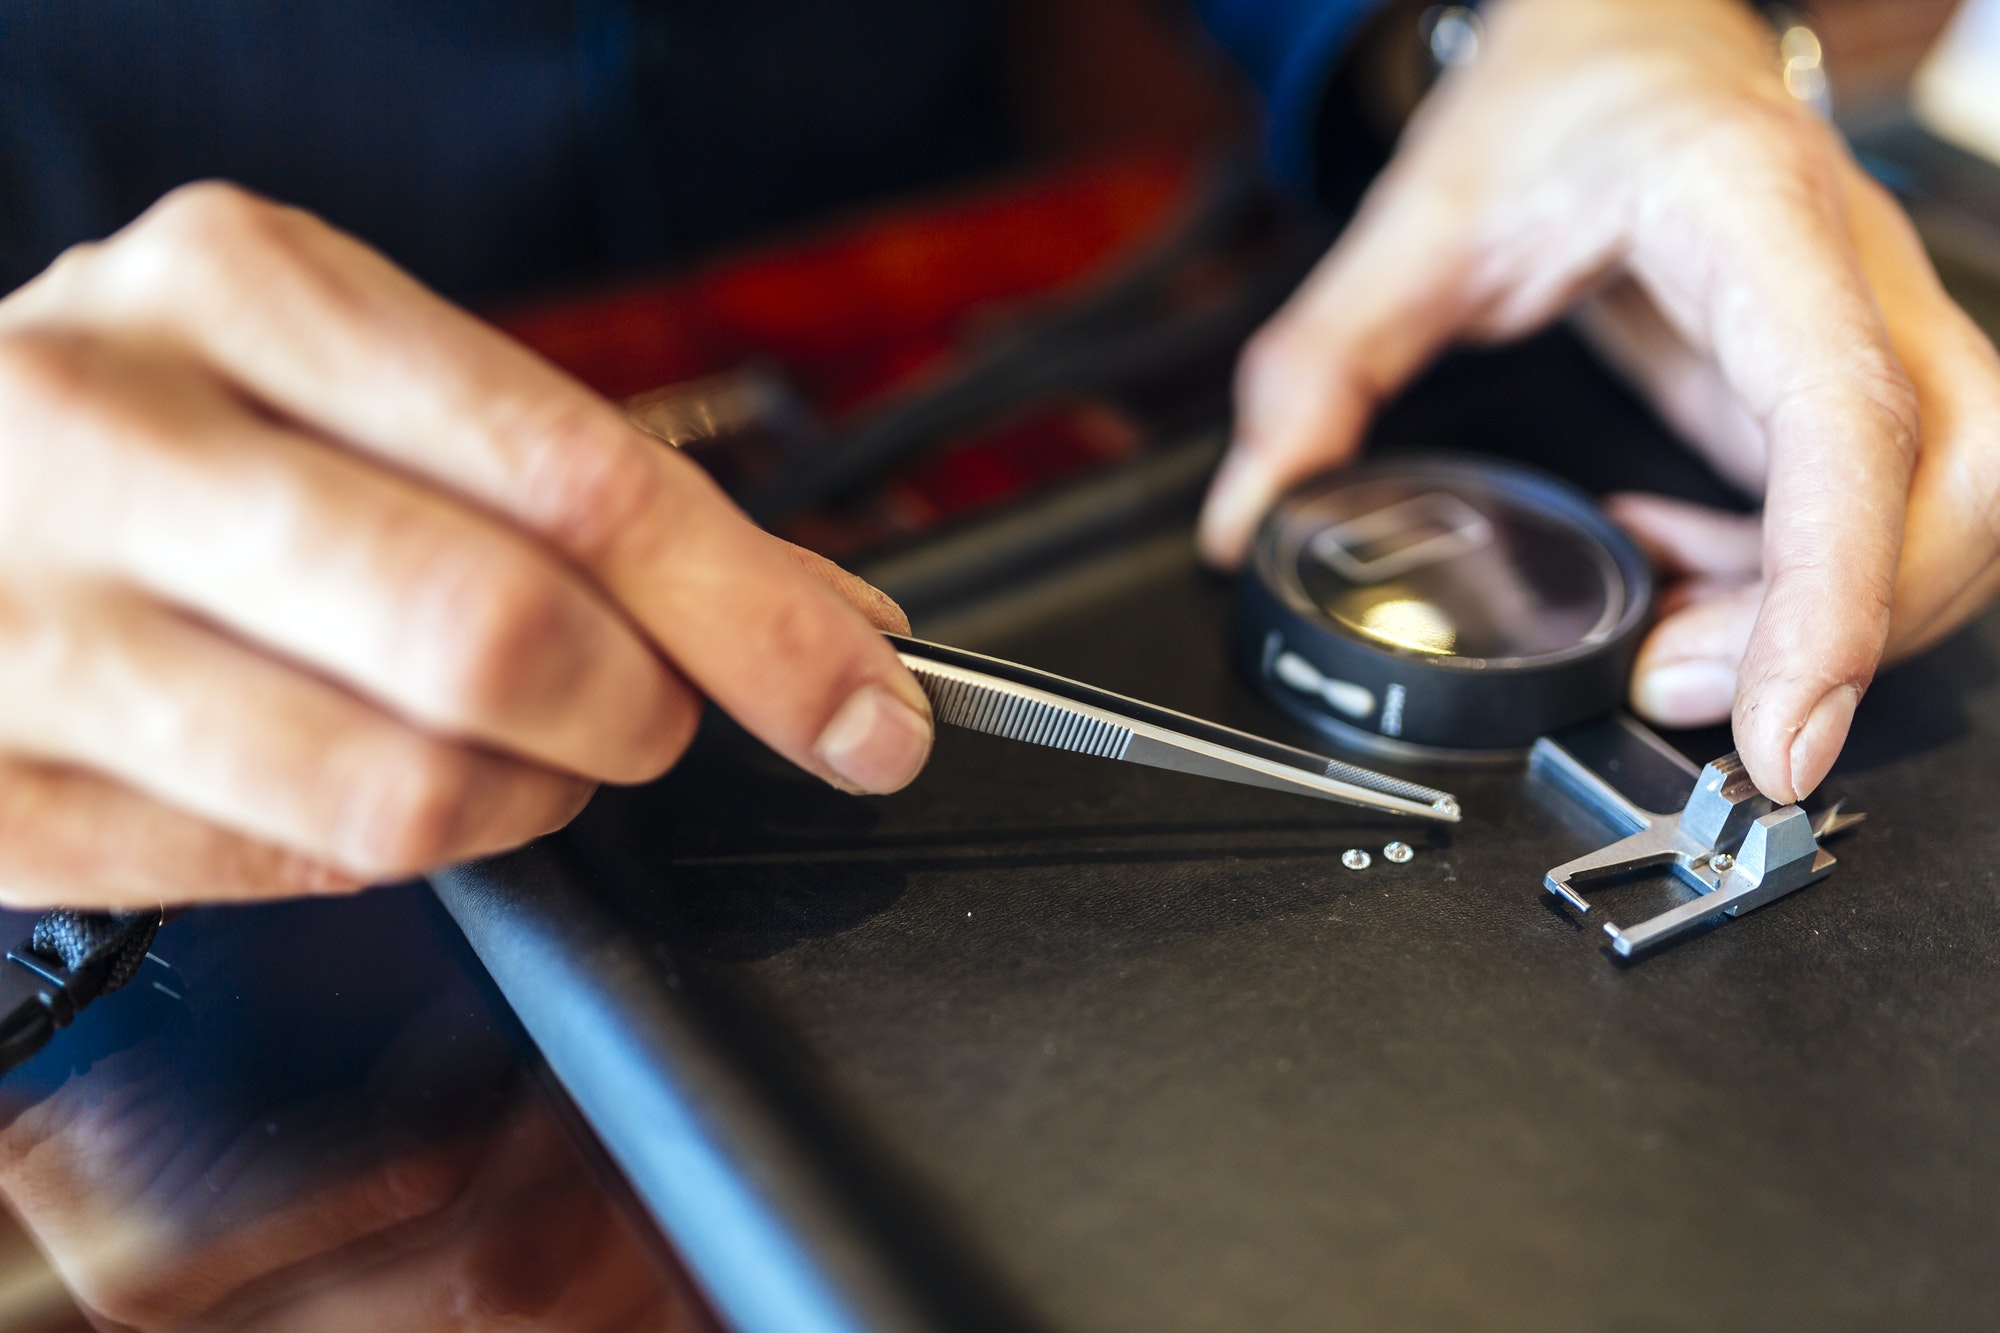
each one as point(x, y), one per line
point(1643, 159)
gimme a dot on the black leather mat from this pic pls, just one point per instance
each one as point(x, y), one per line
point(1048, 1042)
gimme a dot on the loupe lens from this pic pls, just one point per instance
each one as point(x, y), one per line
point(1442, 604)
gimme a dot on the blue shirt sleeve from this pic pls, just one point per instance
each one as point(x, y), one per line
point(1290, 48)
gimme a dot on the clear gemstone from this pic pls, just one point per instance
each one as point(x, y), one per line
point(1399, 852)
point(1355, 859)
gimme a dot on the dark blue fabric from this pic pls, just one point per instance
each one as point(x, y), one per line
point(490, 145)
point(502, 146)
point(1290, 49)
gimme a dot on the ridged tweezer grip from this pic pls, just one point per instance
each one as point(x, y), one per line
point(1003, 709)
point(985, 694)
point(1382, 782)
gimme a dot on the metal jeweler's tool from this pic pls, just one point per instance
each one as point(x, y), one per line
point(1023, 704)
point(1733, 845)
point(1441, 607)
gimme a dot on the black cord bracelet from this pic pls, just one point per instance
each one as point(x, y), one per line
point(69, 959)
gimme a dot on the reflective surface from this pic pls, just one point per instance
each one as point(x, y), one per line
point(314, 1116)
point(1450, 570)
point(1052, 1043)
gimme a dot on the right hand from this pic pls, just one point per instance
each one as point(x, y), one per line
point(309, 580)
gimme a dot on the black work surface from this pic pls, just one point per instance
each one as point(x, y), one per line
point(1052, 1042)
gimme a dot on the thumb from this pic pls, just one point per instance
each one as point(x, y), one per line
point(1376, 309)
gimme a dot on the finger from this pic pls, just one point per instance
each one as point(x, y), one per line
point(1685, 592)
point(1689, 539)
point(1687, 671)
point(880, 608)
point(413, 1193)
point(144, 469)
point(615, 1287)
point(1683, 385)
point(139, 1274)
point(69, 839)
point(1380, 305)
point(783, 653)
point(535, 1244)
point(1792, 321)
point(107, 681)
point(323, 330)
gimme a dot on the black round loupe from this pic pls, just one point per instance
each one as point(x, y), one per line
point(1438, 607)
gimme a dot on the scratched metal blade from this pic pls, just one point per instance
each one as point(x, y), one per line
point(968, 698)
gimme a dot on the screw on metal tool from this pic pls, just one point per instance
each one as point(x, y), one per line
point(1730, 843)
point(1356, 859)
point(1398, 852)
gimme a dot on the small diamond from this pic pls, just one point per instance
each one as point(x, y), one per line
point(1399, 852)
point(1355, 859)
point(1721, 862)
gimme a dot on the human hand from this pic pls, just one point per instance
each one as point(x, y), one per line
point(497, 1227)
point(308, 580)
point(1644, 157)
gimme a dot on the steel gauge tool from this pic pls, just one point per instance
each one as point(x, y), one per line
point(1710, 828)
point(1021, 703)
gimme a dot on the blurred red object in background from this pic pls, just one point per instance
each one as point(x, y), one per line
point(858, 308)
point(849, 315)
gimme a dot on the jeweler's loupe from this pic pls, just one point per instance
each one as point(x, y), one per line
point(1442, 607)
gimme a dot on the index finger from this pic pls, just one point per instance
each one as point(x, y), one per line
point(1388, 295)
point(322, 329)
point(1774, 283)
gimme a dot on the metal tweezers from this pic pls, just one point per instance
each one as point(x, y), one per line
point(1023, 704)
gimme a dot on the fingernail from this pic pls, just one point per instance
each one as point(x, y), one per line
point(1818, 743)
point(1686, 694)
point(876, 742)
point(1234, 499)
